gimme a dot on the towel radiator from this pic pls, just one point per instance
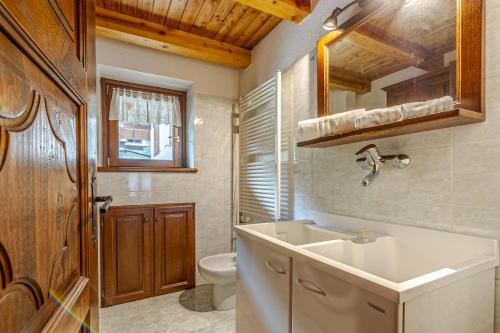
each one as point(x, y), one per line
point(261, 180)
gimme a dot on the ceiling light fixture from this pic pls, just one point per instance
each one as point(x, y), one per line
point(331, 23)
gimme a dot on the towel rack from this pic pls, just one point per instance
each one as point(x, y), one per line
point(261, 195)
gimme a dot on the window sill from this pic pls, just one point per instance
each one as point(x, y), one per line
point(146, 169)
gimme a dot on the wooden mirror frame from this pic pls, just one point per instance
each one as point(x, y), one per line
point(469, 75)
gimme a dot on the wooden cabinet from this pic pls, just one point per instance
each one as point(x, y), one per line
point(262, 289)
point(323, 303)
point(146, 251)
point(174, 248)
point(423, 88)
point(127, 254)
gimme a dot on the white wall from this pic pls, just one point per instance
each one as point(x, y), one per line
point(207, 78)
point(454, 181)
point(212, 90)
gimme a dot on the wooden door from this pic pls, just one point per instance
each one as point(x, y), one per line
point(127, 257)
point(174, 248)
point(47, 89)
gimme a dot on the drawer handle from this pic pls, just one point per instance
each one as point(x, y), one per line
point(274, 269)
point(308, 285)
point(376, 307)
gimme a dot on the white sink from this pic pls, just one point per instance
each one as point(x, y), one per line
point(389, 259)
point(298, 232)
point(401, 263)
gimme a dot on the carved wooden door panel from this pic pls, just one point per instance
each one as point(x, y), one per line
point(45, 96)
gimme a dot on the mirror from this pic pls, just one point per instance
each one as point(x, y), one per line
point(406, 53)
point(404, 66)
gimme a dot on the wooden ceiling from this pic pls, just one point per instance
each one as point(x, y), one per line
point(418, 35)
point(221, 31)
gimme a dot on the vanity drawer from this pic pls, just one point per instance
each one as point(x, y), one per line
point(323, 303)
point(262, 289)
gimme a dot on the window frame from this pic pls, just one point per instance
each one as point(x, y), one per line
point(110, 132)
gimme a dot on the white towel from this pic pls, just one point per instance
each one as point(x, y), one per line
point(420, 109)
point(341, 122)
point(320, 127)
point(379, 117)
point(310, 129)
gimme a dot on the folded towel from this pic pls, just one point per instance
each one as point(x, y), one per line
point(379, 117)
point(341, 122)
point(310, 129)
point(420, 109)
point(320, 127)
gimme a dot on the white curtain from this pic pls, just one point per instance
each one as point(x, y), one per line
point(129, 105)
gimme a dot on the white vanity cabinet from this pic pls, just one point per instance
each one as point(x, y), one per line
point(323, 303)
point(407, 280)
point(262, 289)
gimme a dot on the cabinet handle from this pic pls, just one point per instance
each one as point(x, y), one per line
point(274, 269)
point(146, 220)
point(376, 307)
point(308, 285)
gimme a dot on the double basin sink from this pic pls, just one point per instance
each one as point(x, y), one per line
point(397, 264)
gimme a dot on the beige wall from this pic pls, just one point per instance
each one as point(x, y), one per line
point(454, 181)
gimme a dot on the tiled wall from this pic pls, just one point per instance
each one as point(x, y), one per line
point(210, 188)
point(453, 182)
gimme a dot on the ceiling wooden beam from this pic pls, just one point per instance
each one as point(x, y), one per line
point(144, 33)
point(349, 83)
point(291, 10)
point(410, 55)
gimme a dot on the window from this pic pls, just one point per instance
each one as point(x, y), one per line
point(143, 127)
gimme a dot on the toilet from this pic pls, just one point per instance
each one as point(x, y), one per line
point(220, 270)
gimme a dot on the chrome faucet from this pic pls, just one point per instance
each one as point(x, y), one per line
point(373, 161)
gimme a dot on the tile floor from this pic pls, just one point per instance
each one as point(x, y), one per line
point(164, 314)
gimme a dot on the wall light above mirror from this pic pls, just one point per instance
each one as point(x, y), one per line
point(331, 23)
point(392, 54)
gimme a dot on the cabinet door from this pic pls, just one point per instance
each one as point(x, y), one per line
point(127, 254)
point(174, 248)
point(323, 303)
point(262, 289)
